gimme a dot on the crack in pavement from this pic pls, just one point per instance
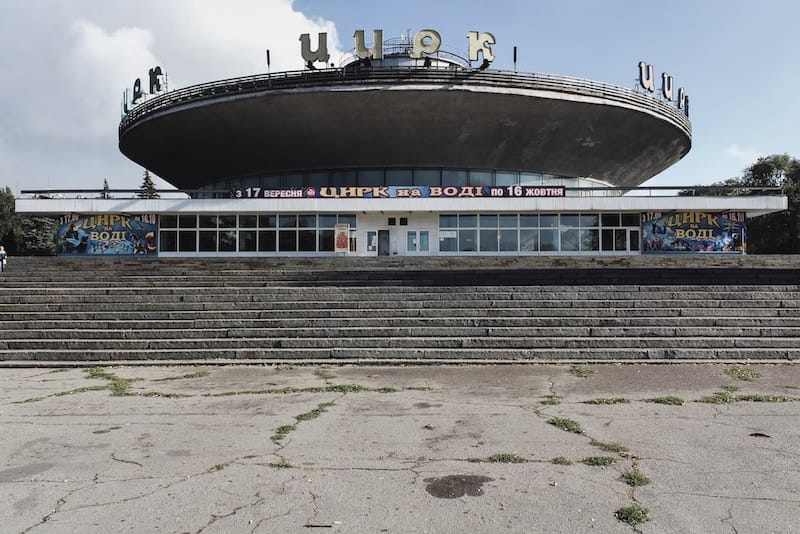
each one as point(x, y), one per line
point(215, 518)
point(729, 521)
point(732, 497)
point(114, 457)
point(59, 503)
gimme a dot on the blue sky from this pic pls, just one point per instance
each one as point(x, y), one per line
point(66, 64)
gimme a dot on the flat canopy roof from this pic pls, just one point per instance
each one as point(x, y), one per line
point(404, 118)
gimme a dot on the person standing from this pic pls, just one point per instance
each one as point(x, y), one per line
point(3, 257)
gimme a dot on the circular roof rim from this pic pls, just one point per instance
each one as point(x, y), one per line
point(407, 76)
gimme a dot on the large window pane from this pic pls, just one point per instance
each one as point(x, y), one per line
point(548, 221)
point(287, 221)
point(528, 220)
point(327, 221)
point(267, 221)
point(548, 240)
point(507, 221)
point(168, 241)
point(466, 240)
point(505, 178)
point(187, 221)
point(570, 221)
point(527, 178)
point(266, 241)
point(293, 181)
point(247, 240)
point(608, 239)
point(248, 221)
point(318, 179)
point(168, 221)
point(454, 177)
point(427, 177)
point(508, 240)
point(529, 240)
point(467, 221)
point(569, 240)
point(590, 220)
point(187, 241)
point(307, 221)
point(488, 240)
point(227, 221)
point(348, 219)
point(208, 241)
point(448, 221)
point(399, 177)
point(345, 178)
point(308, 240)
point(590, 239)
point(227, 241)
point(448, 240)
point(488, 221)
point(631, 219)
point(326, 241)
point(287, 241)
point(480, 177)
point(208, 221)
point(610, 219)
point(370, 177)
point(620, 239)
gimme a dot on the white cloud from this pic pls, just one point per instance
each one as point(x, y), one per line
point(64, 73)
point(736, 152)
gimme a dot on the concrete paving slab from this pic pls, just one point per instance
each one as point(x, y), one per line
point(399, 449)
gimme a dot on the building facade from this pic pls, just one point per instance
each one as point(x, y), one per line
point(406, 149)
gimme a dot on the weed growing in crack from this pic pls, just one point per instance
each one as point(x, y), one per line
point(501, 458)
point(552, 400)
point(197, 374)
point(316, 412)
point(632, 515)
point(282, 432)
point(324, 374)
point(611, 400)
point(720, 397)
point(669, 399)
point(218, 467)
point(634, 478)
point(561, 460)
point(598, 461)
point(608, 446)
point(567, 425)
point(282, 464)
point(730, 389)
point(581, 371)
point(386, 390)
point(341, 388)
point(723, 397)
point(743, 373)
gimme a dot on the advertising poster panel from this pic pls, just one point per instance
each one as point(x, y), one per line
point(694, 231)
point(341, 238)
point(108, 233)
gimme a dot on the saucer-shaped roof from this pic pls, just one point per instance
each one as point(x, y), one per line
point(404, 117)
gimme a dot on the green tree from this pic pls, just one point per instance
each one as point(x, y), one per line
point(37, 236)
point(9, 221)
point(776, 233)
point(148, 188)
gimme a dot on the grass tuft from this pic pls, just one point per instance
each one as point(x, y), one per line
point(581, 371)
point(634, 477)
point(598, 461)
point(743, 373)
point(611, 400)
point(632, 515)
point(316, 412)
point(731, 389)
point(218, 467)
point(282, 432)
point(197, 374)
point(669, 399)
point(501, 458)
point(552, 400)
point(608, 446)
point(283, 464)
point(567, 425)
point(561, 460)
point(720, 397)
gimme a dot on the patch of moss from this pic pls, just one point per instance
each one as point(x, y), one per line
point(608, 446)
point(282, 432)
point(552, 400)
point(598, 461)
point(611, 400)
point(743, 373)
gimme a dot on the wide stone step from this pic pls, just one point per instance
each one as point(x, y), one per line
point(354, 354)
point(729, 332)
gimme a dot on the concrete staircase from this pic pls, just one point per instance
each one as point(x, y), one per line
point(90, 309)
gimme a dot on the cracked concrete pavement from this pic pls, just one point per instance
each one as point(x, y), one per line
point(396, 449)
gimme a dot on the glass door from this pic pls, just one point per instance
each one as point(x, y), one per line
point(417, 242)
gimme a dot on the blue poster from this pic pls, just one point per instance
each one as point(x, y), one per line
point(108, 233)
point(693, 231)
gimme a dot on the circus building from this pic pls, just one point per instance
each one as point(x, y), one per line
point(405, 148)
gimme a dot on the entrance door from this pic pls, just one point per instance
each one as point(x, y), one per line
point(417, 242)
point(383, 242)
point(633, 240)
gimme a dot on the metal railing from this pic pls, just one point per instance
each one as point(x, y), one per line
point(378, 75)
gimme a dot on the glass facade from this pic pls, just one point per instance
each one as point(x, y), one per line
point(532, 233)
point(268, 233)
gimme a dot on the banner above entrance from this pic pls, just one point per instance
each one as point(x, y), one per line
point(392, 191)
